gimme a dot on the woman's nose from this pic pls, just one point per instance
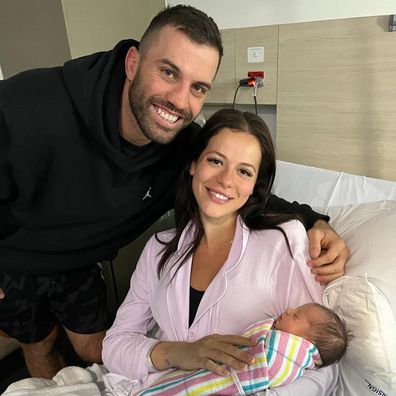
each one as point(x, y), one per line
point(225, 177)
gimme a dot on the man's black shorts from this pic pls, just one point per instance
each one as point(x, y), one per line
point(33, 305)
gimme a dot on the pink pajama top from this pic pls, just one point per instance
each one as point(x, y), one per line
point(259, 279)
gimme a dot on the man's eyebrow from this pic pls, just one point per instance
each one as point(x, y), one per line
point(177, 69)
point(170, 63)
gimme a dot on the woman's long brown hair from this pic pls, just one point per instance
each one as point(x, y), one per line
point(254, 213)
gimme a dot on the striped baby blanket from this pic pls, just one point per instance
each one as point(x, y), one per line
point(280, 358)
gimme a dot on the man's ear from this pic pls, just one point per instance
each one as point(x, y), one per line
point(131, 63)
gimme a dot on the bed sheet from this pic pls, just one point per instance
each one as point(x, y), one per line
point(322, 188)
point(363, 211)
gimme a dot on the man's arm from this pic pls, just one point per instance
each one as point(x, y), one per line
point(327, 249)
point(7, 182)
point(305, 213)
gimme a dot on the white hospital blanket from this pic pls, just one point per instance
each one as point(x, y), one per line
point(71, 381)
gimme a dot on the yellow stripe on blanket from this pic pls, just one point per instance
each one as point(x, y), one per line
point(287, 366)
point(203, 389)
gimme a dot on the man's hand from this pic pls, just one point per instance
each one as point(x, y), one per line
point(328, 252)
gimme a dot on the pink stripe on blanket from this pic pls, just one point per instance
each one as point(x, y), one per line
point(289, 348)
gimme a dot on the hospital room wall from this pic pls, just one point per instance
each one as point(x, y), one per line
point(97, 25)
point(248, 13)
point(330, 78)
point(32, 34)
point(43, 33)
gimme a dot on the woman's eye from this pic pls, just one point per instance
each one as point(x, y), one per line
point(245, 172)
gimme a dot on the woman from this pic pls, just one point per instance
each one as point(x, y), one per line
point(227, 264)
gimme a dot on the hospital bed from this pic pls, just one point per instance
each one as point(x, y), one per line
point(363, 211)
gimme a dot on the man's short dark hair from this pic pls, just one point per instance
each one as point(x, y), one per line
point(195, 24)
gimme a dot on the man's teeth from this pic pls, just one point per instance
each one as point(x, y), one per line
point(219, 196)
point(168, 117)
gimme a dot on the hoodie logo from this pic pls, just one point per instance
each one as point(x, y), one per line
point(147, 195)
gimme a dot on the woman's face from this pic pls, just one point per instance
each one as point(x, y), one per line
point(225, 174)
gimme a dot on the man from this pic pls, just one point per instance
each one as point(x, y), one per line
point(89, 158)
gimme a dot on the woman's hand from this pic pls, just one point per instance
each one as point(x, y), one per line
point(328, 252)
point(208, 352)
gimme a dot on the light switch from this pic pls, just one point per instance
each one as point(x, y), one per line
point(255, 54)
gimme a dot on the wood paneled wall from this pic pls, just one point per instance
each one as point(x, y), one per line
point(234, 65)
point(336, 105)
point(225, 83)
point(334, 84)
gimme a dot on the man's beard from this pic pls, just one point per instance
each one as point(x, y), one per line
point(140, 107)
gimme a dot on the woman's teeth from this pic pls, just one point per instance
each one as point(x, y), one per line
point(219, 196)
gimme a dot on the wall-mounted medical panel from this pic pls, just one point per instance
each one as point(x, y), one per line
point(235, 65)
point(255, 38)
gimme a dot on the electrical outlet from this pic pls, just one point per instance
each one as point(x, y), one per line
point(255, 74)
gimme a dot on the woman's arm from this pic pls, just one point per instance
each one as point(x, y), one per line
point(207, 352)
point(125, 346)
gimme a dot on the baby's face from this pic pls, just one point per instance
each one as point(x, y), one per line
point(298, 320)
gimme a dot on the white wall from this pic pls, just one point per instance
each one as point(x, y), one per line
point(244, 13)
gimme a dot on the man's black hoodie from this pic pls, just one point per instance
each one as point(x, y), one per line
point(72, 192)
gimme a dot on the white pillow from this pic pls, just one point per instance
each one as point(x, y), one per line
point(364, 297)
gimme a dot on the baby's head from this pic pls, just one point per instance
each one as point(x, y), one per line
point(319, 325)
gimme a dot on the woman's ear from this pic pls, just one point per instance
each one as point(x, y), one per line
point(132, 63)
point(192, 168)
